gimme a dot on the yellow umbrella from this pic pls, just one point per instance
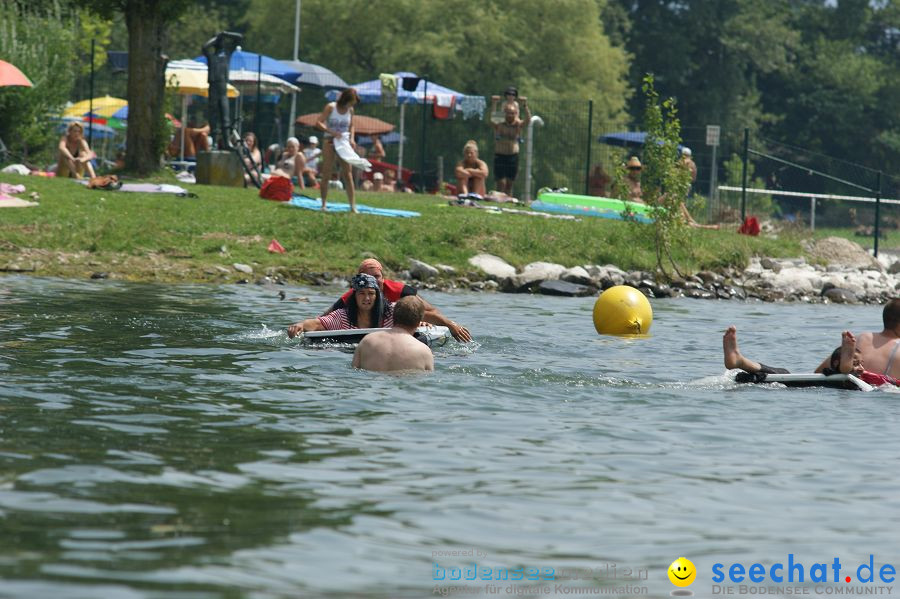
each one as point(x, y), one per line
point(192, 82)
point(187, 81)
point(103, 107)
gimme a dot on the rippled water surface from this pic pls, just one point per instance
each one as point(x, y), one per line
point(170, 441)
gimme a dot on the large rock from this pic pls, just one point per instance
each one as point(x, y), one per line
point(576, 274)
point(796, 280)
point(837, 250)
point(564, 288)
point(532, 275)
point(841, 296)
point(422, 271)
point(493, 266)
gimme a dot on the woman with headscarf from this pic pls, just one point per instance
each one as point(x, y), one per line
point(365, 309)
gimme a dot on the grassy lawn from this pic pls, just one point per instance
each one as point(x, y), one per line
point(143, 236)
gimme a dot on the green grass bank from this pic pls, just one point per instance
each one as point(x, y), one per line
point(75, 232)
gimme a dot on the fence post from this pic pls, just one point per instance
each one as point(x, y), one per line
point(91, 119)
point(587, 166)
point(877, 212)
point(744, 174)
point(812, 214)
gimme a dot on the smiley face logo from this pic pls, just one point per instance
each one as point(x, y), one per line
point(682, 572)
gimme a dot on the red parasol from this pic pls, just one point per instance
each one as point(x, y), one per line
point(363, 125)
point(11, 75)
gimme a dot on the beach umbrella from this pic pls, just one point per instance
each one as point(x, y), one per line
point(102, 107)
point(626, 139)
point(246, 81)
point(192, 82)
point(189, 78)
point(362, 125)
point(370, 93)
point(389, 138)
point(313, 75)
point(95, 129)
point(115, 120)
point(250, 61)
point(10, 75)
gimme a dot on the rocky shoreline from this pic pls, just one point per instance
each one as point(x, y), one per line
point(842, 272)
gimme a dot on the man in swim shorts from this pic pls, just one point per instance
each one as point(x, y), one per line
point(397, 350)
point(873, 357)
point(393, 291)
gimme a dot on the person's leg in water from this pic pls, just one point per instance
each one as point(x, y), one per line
point(735, 359)
point(733, 356)
point(850, 363)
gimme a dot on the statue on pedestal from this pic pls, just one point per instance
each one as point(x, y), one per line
point(218, 52)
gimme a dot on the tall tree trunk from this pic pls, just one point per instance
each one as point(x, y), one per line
point(146, 86)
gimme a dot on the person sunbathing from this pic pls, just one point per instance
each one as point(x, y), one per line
point(471, 172)
point(74, 157)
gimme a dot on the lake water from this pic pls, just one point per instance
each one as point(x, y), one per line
point(170, 441)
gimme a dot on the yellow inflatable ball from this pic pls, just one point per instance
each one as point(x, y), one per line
point(622, 310)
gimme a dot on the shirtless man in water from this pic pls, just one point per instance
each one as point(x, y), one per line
point(396, 350)
point(875, 353)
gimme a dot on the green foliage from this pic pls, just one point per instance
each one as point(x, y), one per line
point(758, 204)
point(197, 24)
point(664, 180)
point(549, 49)
point(42, 44)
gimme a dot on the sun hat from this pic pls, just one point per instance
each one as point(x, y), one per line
point(686, 151)
point(633, 162)
point(378, 176)
point(313, 139)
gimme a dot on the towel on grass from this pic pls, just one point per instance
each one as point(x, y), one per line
point(309, 203)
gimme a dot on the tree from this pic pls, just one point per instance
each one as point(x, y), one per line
point(664, 180)
point(709, 54)
point(41, 42)
point(146, 21)
point(548, 49)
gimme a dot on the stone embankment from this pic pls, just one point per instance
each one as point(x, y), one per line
point(836, 270)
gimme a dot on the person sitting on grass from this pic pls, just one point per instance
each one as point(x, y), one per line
point(397, 350)
point(366, 308)
point(292, 163)
point(74, 156)
point(471, 171)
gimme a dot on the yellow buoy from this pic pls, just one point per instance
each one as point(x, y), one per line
point(622, 310)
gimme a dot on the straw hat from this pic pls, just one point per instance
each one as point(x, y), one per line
point(633, 162)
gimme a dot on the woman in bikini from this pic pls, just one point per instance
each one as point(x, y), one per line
point(74, 157)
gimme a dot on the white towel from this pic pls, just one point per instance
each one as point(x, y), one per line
point(345, 152)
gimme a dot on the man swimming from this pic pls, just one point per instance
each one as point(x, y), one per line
point(396, 350)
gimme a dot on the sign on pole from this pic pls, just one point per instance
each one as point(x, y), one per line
point(712, 135)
